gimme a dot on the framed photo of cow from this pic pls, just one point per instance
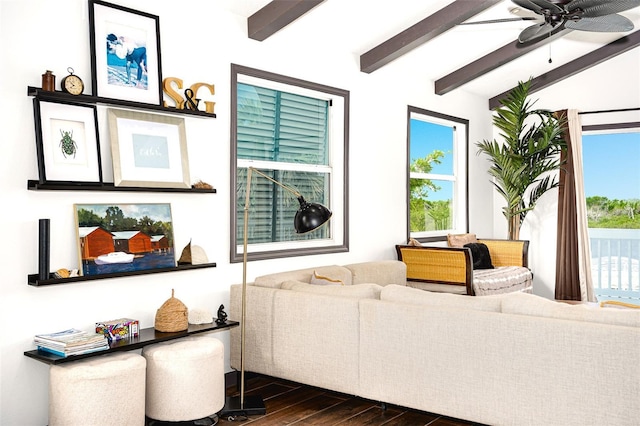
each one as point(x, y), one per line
point(125, 53)
point(114, 238)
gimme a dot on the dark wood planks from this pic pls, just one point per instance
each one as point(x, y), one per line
point(290, 403)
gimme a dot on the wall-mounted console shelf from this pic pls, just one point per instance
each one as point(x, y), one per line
point(34, 281)
point(146, 337)
point(34, 185)
point(57, 95)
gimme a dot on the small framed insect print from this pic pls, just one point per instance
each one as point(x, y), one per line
point(67, 142)
point(125, 53)
point(148, 150)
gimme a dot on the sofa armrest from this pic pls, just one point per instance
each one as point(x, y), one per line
point(258, 328)
point(443, 265)
point(508, 252)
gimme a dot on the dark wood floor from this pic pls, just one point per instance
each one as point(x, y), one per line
point(289, 403)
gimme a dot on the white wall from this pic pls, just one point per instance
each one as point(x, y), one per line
point(199, 42)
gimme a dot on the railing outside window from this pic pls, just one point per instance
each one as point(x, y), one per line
point(615, 263)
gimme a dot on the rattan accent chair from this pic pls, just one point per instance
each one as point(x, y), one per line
point(450, 269)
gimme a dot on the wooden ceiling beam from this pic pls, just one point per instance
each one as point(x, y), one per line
point(420, 33)
point(491, 61)
point(576, 66)
point(276, 15)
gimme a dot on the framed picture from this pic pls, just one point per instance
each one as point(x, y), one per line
point(67, 142)
point(124, 237)
point(148, 150)
point(125, 53)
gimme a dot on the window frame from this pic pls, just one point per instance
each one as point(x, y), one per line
point(434, 236)
point(339, 239)
point(616, 126)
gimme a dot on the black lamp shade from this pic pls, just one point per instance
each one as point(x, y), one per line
point(310, 216)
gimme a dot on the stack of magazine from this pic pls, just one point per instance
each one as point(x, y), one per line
point(71, 342)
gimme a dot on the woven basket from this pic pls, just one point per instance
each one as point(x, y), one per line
point(172, 316)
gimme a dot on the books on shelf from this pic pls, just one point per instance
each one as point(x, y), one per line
point(71, 342)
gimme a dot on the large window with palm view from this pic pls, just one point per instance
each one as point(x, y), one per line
point(294, 132)
point(437, 169)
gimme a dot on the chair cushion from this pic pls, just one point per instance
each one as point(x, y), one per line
point(504, 279)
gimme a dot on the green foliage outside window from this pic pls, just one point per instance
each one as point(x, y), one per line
point(425, 214)
point(616, 214)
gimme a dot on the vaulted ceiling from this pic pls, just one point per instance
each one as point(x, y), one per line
point(486, 59)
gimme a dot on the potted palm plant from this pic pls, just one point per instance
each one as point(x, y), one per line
point(522, 165)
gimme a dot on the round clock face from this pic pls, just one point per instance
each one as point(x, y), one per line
point(72, 84)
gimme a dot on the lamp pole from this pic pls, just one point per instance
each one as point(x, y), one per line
point(310, 216)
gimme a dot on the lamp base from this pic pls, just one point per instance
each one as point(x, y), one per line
point(253, 406)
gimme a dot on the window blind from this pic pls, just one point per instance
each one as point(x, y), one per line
point(280, 127)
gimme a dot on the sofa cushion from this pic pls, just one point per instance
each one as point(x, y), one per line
point(334, 271)
point(529, 304)
point(414, 296)
point(381, 272)
point(357, 291)
point(317, 279)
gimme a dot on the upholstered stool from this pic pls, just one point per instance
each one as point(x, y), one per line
point(185, 379)
point(103, 390)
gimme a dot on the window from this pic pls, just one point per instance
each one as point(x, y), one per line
point(297, 133)
point(611, 155)
point(437, 174)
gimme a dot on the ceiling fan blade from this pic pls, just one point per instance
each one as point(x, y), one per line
point(497, 21)
point(593, 8)
point(605, 24)
point(538, 6)
point(534, 31)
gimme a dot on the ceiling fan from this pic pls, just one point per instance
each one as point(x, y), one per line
point(583, 15)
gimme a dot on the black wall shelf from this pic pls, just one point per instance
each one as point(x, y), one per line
point(35, 185)
point(33, 280)
point(147, 336)
point(45, 95)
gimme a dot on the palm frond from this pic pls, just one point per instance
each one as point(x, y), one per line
point(529, 153)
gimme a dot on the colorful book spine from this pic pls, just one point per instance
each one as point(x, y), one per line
point(66, 354)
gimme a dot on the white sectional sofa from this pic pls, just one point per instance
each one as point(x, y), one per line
point(514, 359)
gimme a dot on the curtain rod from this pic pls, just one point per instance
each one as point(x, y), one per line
point(609, 110)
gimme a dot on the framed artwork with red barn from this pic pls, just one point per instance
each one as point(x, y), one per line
point(124, 237)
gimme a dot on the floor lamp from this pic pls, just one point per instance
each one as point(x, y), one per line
point(309, 217)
